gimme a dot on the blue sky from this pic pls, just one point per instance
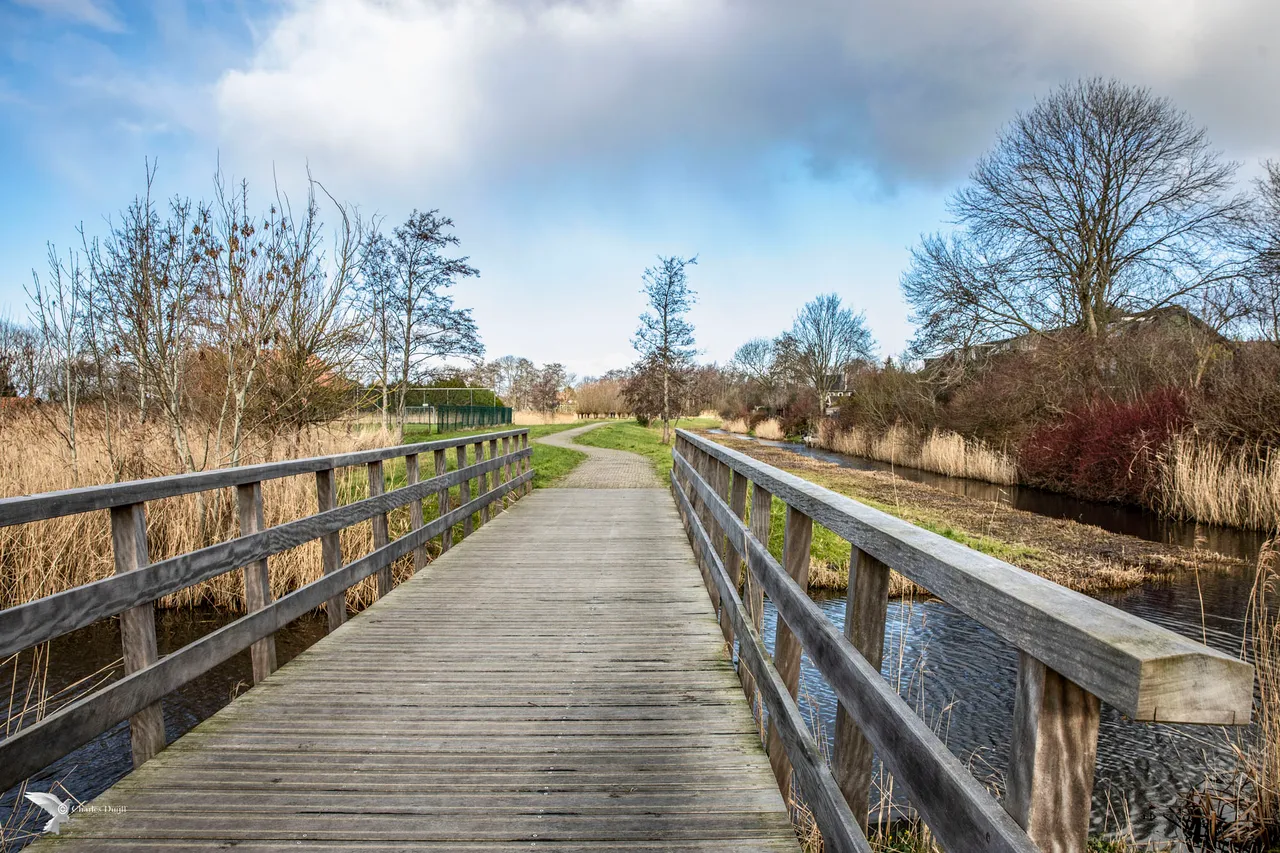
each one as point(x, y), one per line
point(796, 147)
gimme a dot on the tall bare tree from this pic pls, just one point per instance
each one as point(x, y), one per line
point(665, 338)
point(1101, 199)
point(61, 317)
point(1261, 242)
point(151, 271)
point(825, 340)
point(414, 276)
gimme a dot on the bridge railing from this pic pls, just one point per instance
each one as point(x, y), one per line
point(503, 474)
point(1073, 653)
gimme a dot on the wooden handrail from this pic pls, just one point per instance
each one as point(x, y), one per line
point(958, 809)
point(48, 618)
point(1147, 672)
point(28, 508)
point(138, 583)
point(1074, 652)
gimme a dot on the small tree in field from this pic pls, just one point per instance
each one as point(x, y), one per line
point(825, 339)
point(665, 338)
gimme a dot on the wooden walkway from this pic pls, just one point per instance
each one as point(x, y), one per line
point(558, 681)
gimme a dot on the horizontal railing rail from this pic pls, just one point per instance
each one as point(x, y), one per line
point(1073, 652)
point(28, 508)
point(131, 593)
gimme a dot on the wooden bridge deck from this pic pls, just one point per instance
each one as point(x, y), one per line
point(556, 681)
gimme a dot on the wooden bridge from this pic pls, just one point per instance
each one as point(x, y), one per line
point(557, 676)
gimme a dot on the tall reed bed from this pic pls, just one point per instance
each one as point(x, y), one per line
point(738, 426)
point(46, 557)
point(770, 429)
point(1203, 481)
point(939, 451)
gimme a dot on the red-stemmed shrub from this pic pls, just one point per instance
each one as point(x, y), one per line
point(1105, 450)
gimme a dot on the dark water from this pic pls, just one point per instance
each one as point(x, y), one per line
point(91, 769)
point(1118, 518)
point(960, 676)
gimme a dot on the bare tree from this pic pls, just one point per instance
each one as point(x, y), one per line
point(665, 338)
point(1261, 241)
point(152, 274)
point(414, 276)
point(548, 384)
point(1102, 199)
point(374, 297)
point(826, 339)
point(60, 313)
point(249, 272)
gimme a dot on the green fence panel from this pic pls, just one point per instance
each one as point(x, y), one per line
point(450, 418)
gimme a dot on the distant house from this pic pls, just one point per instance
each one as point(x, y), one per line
point(1168, 318)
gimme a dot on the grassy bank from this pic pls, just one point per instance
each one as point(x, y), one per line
point(549, 463)
point(644, 440)
point(1074, 555)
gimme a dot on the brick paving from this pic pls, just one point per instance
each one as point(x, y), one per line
point(603, 468)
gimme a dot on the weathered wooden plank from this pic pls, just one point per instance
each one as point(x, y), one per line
point(137, 629)
point(381, 536)
point(331, 546)
point(442, 501)
point(796, 544)
point(1052, 755)
point(957, 809)
point(257, 577)
point(761, 526)
point(20, 510)
point(464, 489)
point(1147, 672)
point(866, 609)
point(615, 722)
point(35, 746)
point(35, 622)
point(482, 485)
point(412, 478)
point(840, 831)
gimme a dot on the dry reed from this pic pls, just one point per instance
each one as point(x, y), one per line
point(737, 426)
point(530, 418)
point(771, 430)
point(46, 557)
point(940, 452)
point(1240, 488)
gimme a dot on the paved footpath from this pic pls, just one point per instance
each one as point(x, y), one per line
point(603, 468)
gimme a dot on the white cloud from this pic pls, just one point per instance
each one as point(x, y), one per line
point(447, 90)
point(99, 14)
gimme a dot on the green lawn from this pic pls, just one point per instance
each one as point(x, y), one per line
point(646, 441)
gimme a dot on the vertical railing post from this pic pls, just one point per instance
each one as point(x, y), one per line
point(464, 488)
point(331, 546)
point(137, 627)
point(413, 476)
point(761, 527)
point(738, 505)
point(506, 470)
point(797, 541)
point(719, 482)
point(495, 478)
point(482, 483)
point(528, 462)
point(381, 535)
point(257, 578)
point(1052, 757)
point(442, 500)
point(864, 618)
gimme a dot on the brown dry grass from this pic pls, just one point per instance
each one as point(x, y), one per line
point(528, 418)
point(1078, 556)
point(46, 557)
point(1239, 488)
point(771, 430)
point(736, 425)
point(940, 451)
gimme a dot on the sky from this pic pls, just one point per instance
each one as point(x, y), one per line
point(795, 147)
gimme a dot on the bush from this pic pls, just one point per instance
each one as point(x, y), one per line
point(1106, 450)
